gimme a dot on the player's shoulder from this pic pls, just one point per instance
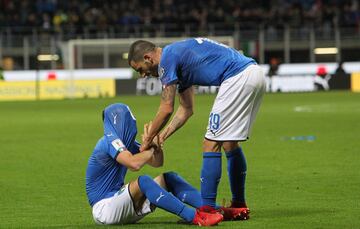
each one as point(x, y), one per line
point(101, 145)
point(179, 45)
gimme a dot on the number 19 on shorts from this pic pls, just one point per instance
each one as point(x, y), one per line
point(214, 121)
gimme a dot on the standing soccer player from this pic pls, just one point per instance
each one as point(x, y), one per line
point(202, 61)
point(114, 202)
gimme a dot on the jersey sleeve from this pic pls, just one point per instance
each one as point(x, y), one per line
point(116, 147)
point(115, 143)
point(168, 68)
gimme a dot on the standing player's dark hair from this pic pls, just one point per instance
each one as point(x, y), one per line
point(138, 49)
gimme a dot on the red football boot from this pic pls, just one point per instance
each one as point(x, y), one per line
point(207, 219)
point(229, 213)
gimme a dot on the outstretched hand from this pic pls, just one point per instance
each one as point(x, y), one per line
point(146, 140)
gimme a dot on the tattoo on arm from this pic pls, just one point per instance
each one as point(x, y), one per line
point(168, 93)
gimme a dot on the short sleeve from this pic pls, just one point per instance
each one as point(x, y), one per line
point(116, 147)
point(168, 67)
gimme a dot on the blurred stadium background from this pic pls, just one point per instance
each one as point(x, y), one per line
point(48, 39)
point(303, 161)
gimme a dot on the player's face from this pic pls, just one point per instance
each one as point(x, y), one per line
point(145, 68)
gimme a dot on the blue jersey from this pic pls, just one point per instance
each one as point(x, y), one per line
point(200, 61)
point(104, 175)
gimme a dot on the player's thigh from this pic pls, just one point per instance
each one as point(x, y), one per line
point(258, 80)
point(229, 117)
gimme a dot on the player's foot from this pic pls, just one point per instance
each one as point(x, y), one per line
point(229, 213)
point(235, 213)
point(207, 219)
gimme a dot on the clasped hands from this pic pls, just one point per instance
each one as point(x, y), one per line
point(147, 142)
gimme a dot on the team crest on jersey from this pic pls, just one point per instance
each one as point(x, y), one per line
point(161, 72)
point(123, 188)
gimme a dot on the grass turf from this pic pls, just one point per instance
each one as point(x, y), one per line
point(290, 184)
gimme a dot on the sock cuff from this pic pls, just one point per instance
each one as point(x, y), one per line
point(143, 180)
point(167, 178)
point(187, 213)
point(211, 154)
point(233, 152)
point(167, 174)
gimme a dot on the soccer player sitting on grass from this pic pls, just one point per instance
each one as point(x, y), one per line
point(114, 202)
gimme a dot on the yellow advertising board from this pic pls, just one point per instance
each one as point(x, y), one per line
point(355, 82)
point(17, 90)
point(56, 89)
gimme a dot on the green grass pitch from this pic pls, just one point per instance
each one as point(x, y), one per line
point(45, 145)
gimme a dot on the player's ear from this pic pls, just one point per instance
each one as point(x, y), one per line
point(147, 58)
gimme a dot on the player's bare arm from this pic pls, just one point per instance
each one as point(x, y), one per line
point(163, 115)
point(135, 162)
point(183, 113)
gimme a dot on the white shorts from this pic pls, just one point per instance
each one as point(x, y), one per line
point(236, 106)
point(119, 209)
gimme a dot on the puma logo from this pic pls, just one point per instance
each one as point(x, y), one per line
point(114, 116)
point(161, 196)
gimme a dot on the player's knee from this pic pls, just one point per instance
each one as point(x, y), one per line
point(169, 176)
point(211, 146)
point(144, 178)
point(230, 146)
point(170, 173)
point(144, 182)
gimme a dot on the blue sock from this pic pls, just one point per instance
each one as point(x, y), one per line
point(210, 177)
point(163, 199)
point(236, 166)
point(182, 189)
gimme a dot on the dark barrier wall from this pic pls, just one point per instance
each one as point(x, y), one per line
point(125, 87)
point(340, 81)
point(152, 86)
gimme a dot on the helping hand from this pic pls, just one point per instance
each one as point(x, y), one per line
point(146, 140)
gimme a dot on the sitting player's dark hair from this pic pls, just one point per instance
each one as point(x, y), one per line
point(103, 115)
point(138, 49)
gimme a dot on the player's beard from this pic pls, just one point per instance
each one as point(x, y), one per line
point(154, 70)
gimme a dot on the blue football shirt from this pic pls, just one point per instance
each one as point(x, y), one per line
point(200, 61)
point(104, 175)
